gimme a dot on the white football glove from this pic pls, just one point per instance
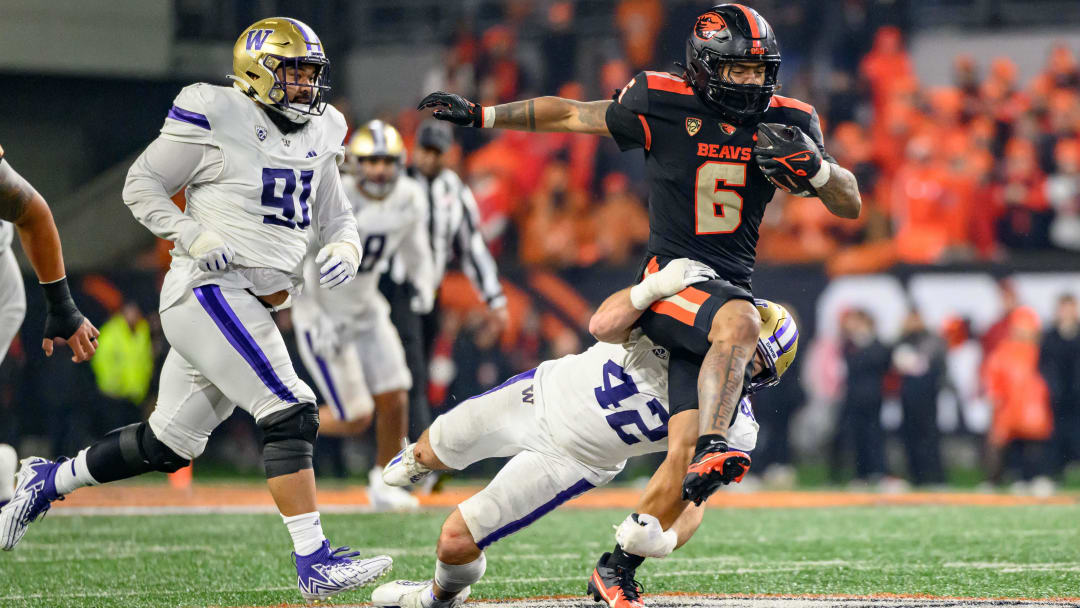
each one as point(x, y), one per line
point(673, 278)
point(210, 251)
point(641, 534)
point(422, 302)
point(339, 262)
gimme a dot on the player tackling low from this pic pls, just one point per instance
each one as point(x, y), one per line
point(569, 425)
point(259, 161)
point(345, 336)
point(718, 142)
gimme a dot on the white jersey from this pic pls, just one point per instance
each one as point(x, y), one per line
point(611, 402)
point(257, 187)
point(7, 234)
point(396, 224)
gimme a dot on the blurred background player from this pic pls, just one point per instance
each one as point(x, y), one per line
point(345, 337)
point(23, 210)
point(453, 225)
point(717, 137)
point(566, 436)
point(259, 159)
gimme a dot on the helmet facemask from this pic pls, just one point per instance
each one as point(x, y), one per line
point(377, 188)
point(317, 87)
point(738, 102)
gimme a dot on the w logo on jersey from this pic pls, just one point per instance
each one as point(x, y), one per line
point(256, 38)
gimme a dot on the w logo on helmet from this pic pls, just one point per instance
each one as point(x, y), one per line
point(709, 25)
point(256, 38)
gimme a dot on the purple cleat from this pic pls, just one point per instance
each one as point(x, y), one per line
point(325, 573)
point(35, 490)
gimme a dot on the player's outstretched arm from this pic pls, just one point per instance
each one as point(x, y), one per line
point(841, 193)
point(660, 524)
point(21, 204)
point(539, 114)
point(617, 314)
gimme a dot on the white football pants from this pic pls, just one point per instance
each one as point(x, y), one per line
point(226, 352)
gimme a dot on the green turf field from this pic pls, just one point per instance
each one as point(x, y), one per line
point(243, 560)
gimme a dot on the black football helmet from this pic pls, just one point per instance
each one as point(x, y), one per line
point(726, 34)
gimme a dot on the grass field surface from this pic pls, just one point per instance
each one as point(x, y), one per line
point(1029, 551)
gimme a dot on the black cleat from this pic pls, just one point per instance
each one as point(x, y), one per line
point(615, 586)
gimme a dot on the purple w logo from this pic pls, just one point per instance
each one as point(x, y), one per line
point(256, 38)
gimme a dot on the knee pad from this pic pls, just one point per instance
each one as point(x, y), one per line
point(289, 439)
point(140, 448)
point(453, 578)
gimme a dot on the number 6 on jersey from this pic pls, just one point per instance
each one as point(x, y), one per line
point(718, 210)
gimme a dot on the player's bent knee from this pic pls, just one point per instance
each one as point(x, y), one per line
point(289, 439)
point(456, 544)
point(141, 449)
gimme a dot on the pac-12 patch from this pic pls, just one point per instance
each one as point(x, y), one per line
point(693, 125)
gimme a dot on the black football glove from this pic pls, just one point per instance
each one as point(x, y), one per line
point(788, 157)
point(62, 317)
point(714, 465)
point(453, 108)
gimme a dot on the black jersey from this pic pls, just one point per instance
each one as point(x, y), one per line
point(706, 193)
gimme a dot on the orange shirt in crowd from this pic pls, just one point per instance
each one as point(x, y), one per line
point(922, 209)
point(1020, 397)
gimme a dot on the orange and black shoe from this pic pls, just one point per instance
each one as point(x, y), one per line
point(615, 586)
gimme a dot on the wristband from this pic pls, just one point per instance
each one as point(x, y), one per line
point(822, 176)
point(57, 294)
point(487, 117)
point(641, 295)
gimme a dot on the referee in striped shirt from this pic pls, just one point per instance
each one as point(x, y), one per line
point(454, 229)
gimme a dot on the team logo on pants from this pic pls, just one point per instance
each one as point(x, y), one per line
point(693, 125)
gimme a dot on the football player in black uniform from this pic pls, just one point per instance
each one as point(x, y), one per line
point(718, 142)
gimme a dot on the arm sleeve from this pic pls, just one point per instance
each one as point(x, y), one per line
point(334, 217)
point(416, 251)
point(166, 166)
point(626, 117)
point(476, 259)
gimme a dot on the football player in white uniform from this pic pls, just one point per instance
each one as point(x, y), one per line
point(345, 336)
point(23, 210)
point(569, 426)
point(259, 160)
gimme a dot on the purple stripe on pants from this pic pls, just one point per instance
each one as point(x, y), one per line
point(578, 488)
point(335, 400)
point(215, 305)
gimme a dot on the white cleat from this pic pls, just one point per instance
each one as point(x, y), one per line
point(403, 470)
point(411, 594)
point(388, 498)
point(8, 462)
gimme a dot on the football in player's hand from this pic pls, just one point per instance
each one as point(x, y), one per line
point(788, 157)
